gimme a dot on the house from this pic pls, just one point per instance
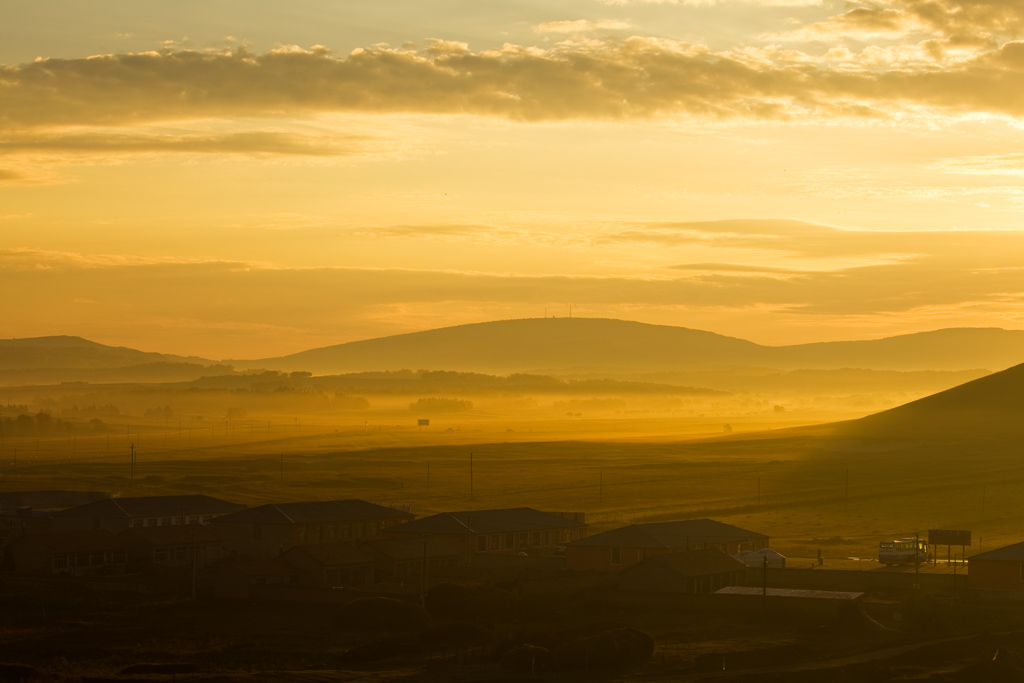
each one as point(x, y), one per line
point(508, 531)
point(268, 530)
point(19, 521)
point(401, 559)
point(173, 546)
point(117, 514)
point(624, 547)
point(92, 552)
point(999, 572)
point(329, 565)
point(688, 571)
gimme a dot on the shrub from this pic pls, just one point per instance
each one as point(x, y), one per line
point(526, 659)
point(383, 614)
point(470, 603)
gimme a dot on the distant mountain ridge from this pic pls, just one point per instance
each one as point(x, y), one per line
point(587, 344)
point(60, 352)
point(561, 345)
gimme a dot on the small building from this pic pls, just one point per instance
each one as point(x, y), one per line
point(688, 571)
point(624, 547)
point(999, 571)
point(19, 521)
point(401, 559)
point(117, 514)
point(268, 530)
point(93, 552)
point(173, 546)
point(506, 531)
point(329, 565)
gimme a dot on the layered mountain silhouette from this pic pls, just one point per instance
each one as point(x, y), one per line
point(75, 352)
point(594, 344)
point(551, 345)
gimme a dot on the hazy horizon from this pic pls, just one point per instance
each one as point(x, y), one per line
point(203, 181)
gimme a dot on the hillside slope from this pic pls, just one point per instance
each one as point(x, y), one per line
point(593, 344)
point(989, 407)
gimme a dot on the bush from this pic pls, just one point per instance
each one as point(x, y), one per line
point(618, 649)
point(18, 672)
point(383, 614)
point(470, 603)
point(172, 668)
point(526, 659)
point(382, 649)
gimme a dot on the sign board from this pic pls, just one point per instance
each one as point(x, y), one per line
point(426, 423)
point(948, 537)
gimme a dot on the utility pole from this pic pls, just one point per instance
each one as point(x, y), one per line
point(471, 475)
point(917, 560)
point(424, 573)
point(764, 589)
point(195, 557)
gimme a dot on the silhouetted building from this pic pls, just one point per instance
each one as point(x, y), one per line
point(93, 552)
point(173, 546)
point(267, 530)
point(1000, 571)
point(689, 571)
point(507, 531)
point(118, 514)
point(19, 521)
point(624, 547)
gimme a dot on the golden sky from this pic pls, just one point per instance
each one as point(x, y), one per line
point(246, 179)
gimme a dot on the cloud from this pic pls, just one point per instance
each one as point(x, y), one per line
point(581, 26)
point(635, 78)
point(994, 164)
point(231, 143)
point(9, 176)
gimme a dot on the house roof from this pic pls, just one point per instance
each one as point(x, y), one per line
point(789, 593)
point(177, 534)
point(683, 533)
point(486, 522)
point(692, 563)
point(72, 541)
point(1010, 553)
point(311, 512)
point(151, 506)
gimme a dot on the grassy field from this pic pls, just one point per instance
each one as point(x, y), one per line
point(808, 489)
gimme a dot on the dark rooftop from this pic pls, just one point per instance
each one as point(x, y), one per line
point(684, 533)
point(1010, 553)
point(486, 522)
point(72, 541)
point(693, 563)
point(311, 512)
point(152, 506)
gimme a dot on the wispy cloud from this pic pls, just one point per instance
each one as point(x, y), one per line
point(629, 79)
point(581, 26)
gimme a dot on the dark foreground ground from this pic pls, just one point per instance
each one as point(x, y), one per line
point(91, 636)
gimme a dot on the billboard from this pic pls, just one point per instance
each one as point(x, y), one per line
point(423, 423)
point(949, 537)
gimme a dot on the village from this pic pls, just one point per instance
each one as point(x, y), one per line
point(350, 547)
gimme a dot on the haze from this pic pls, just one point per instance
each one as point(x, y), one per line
point(783, 172)
point(618, 340)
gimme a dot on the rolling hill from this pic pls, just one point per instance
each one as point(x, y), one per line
point(991, 407)
point(65, 352)
point(554, 345)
